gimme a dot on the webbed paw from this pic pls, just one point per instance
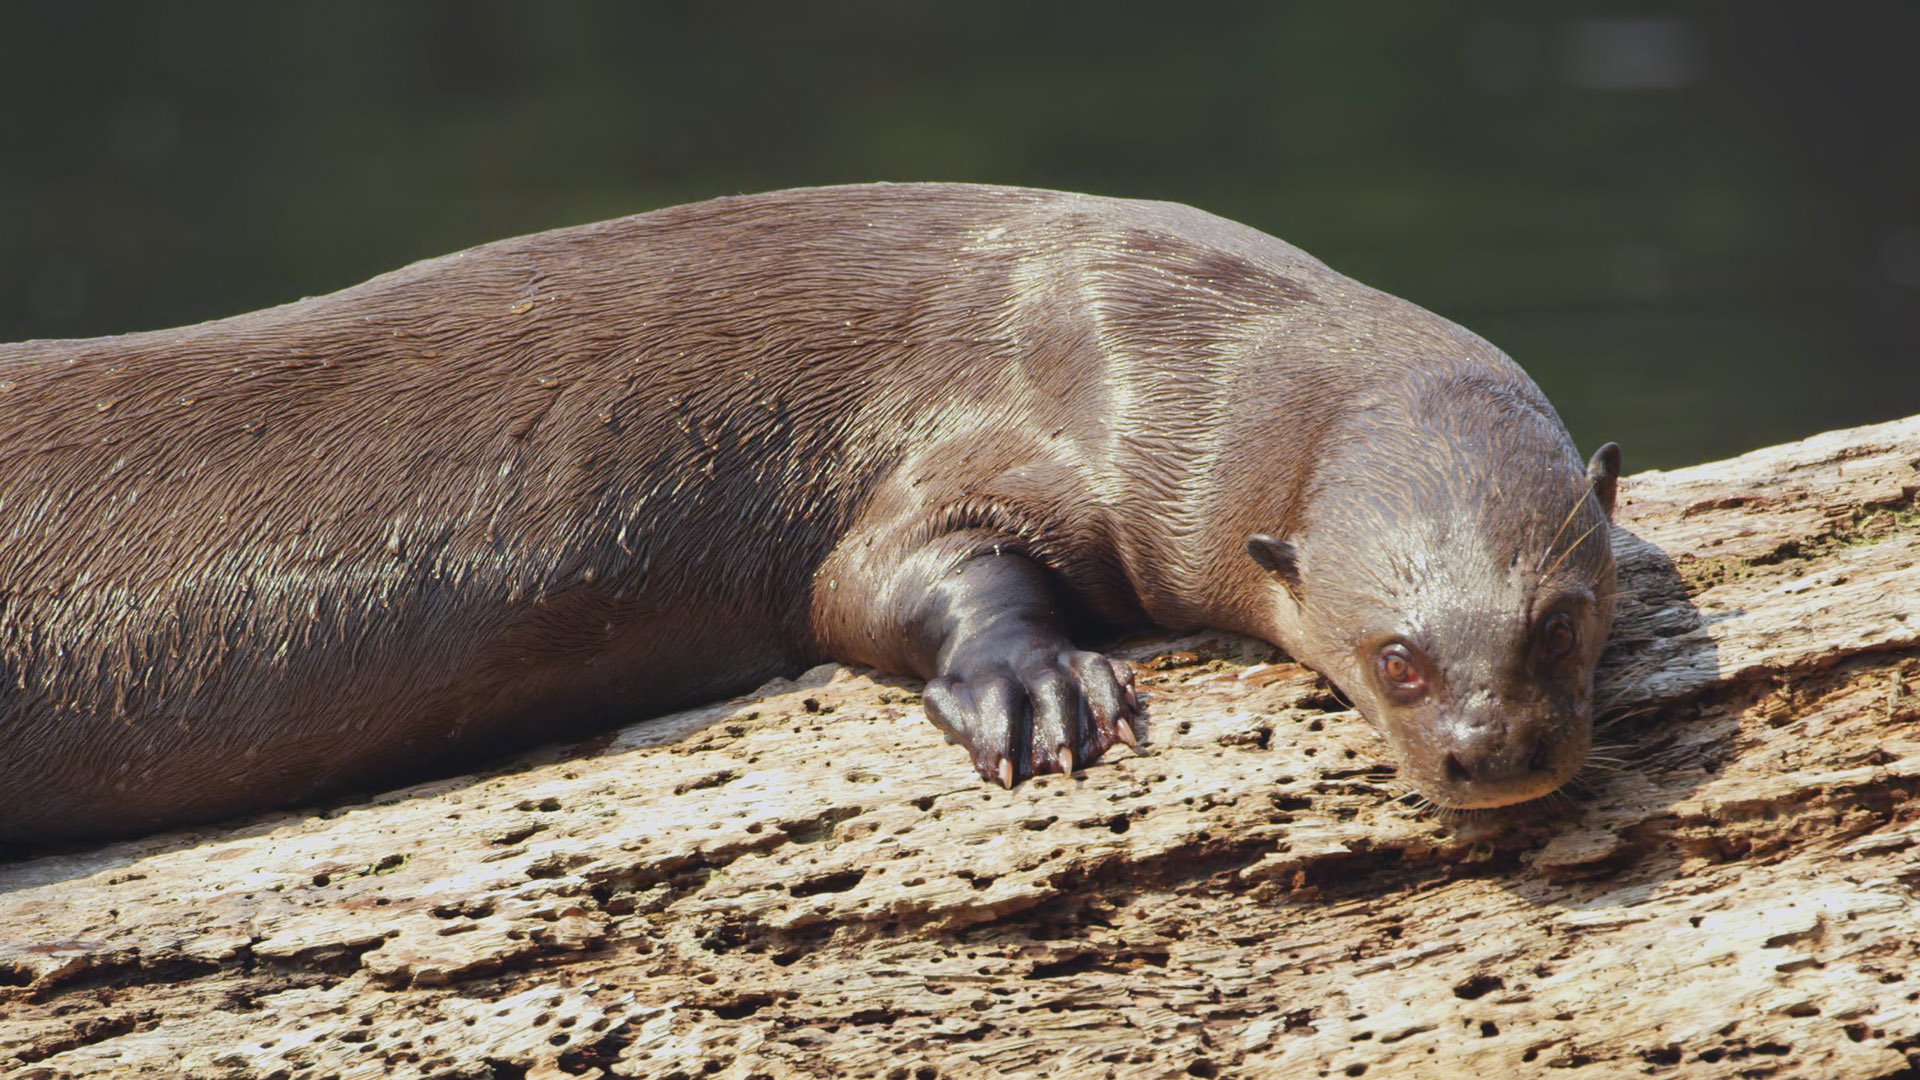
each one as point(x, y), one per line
point(1049, 710)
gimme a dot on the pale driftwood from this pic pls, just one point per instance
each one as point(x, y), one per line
point(808, 883)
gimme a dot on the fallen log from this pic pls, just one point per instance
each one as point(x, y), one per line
point(805, 882)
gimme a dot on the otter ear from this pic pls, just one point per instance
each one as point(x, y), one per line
point(1277, 557)
point(1603, 472)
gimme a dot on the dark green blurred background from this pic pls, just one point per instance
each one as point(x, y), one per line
point(1698, 225)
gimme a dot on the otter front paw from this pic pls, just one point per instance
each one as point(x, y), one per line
point(1050, 711)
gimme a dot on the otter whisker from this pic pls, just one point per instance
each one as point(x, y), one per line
point(1610, 721)
point(1587, 788)
point(1564, 522)
point(1573, 547)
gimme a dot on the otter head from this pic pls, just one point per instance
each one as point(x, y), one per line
point(1457, 585)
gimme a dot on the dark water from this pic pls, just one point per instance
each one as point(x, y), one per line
point(1698, 225)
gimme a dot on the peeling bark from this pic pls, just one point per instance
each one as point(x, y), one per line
point(806, 882)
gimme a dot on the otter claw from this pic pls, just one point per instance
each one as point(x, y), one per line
point(1058, 712)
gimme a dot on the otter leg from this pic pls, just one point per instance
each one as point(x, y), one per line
point(1004, 679)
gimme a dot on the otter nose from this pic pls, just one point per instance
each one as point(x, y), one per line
point(1492, 747)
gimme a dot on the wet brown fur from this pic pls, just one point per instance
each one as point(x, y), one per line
point(562, 481)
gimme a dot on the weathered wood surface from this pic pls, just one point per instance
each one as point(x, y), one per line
point(808, 883)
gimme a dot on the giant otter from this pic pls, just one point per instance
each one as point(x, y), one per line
point(563, 481)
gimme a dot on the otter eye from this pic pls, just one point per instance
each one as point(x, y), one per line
point(1557, 635)
point(1400, 671)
